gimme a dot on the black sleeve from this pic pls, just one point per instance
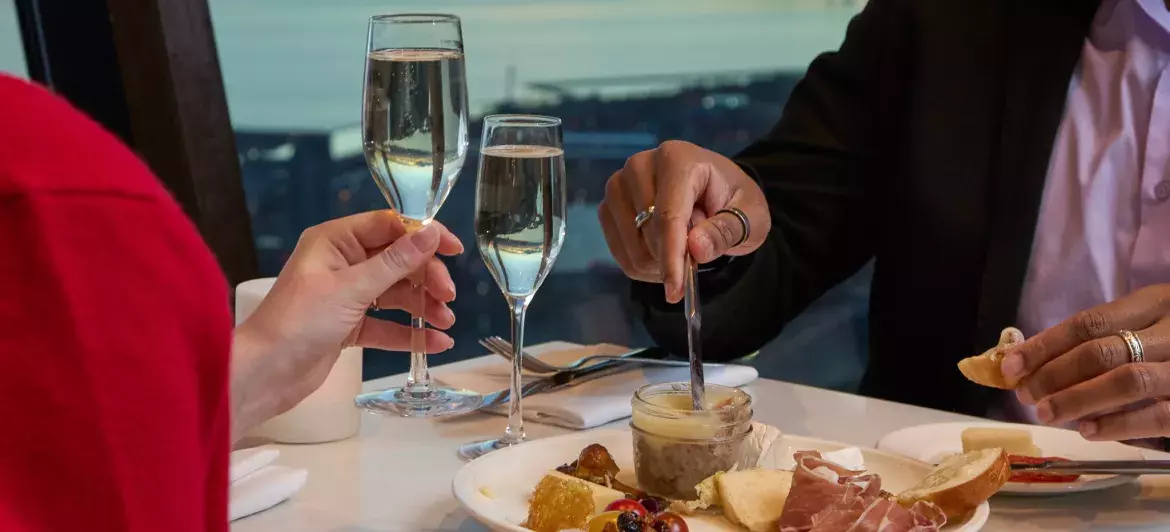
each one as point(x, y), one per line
point(816, 168)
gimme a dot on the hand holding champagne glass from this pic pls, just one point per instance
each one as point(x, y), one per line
point(414, 134)
point(519, 229)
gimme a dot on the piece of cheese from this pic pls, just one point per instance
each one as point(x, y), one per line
point(1012, 441)
point(602, 495)
point(754, 498)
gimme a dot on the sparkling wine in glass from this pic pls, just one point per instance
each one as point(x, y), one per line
point(519, 229)
point(414, 135)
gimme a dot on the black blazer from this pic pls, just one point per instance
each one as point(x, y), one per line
point(922, 143)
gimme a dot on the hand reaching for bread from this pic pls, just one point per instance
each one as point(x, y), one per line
point(1106, 368)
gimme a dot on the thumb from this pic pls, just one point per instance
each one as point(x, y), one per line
point(714, 237)
point(366, 280)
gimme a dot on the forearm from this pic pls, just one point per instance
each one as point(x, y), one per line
point(255, 382)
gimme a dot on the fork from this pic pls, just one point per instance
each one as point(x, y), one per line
point(502, 347)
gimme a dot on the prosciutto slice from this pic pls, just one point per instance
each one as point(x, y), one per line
point(826, 497)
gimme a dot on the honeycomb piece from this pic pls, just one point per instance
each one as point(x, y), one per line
point(559, 504)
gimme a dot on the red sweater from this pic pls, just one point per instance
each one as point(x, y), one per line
point(114, 336)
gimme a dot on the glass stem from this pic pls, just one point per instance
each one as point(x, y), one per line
point(514, 433)
point(418, 382)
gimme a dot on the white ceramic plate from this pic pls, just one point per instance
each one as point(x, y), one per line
point(495, 489)
point(932, 443)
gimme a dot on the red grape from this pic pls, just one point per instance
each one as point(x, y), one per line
point(668, 522)
point(627, 505)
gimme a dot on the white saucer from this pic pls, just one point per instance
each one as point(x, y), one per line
point(495, 489)
point(932, 443)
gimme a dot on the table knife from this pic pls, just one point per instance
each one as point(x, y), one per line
point(1099, 467)
point(694, 337)
point(568, 379)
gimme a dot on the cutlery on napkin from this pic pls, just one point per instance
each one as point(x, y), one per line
point(257, 484)
point(589, 404)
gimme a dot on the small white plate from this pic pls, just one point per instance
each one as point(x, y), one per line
point(495, 489)
point(933, 443)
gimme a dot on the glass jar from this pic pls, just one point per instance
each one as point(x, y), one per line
point(676, 447)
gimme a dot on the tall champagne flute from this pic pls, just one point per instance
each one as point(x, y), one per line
point(519, 229)
point(414, 134)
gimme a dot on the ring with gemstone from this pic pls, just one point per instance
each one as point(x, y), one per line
point(644, 216)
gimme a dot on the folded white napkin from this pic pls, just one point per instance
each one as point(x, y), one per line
point(589, 404)
point(256, 485)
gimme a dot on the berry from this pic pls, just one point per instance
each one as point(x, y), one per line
point(668, 522)
point(628, 505)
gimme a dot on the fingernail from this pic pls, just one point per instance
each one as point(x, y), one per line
point(1044, 412)
point(668, 288)
point(1088, 428)
point(1025, 396)
point(449, 343)
point(425, 239)
point(1012, 366)
point(450, 314)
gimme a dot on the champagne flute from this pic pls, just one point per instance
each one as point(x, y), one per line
point(519, 229)
point(414, 135)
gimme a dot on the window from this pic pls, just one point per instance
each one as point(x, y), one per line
point(624, 76)
point(11, 49)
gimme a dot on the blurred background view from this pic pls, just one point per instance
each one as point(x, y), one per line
point(624, 75)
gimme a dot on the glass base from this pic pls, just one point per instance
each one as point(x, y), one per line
point(434, 401)
point(470, 451)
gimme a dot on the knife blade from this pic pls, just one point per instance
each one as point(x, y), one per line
point(568, 379)
point(694, 338)
point(1099, 467)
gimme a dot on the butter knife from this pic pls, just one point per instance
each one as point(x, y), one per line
point(694, 339)
point(1099, 467)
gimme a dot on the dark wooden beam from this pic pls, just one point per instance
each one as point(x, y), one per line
point(148, 70)
point(179, 118)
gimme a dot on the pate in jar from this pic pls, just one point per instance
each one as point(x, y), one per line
point(676, 447)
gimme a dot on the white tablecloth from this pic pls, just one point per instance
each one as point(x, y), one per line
point(396, 474)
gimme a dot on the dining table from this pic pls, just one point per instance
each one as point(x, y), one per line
point(396, 473)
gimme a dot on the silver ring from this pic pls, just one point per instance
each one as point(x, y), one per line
point(743, 219)
point(1137, 353)
point(644, 216)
